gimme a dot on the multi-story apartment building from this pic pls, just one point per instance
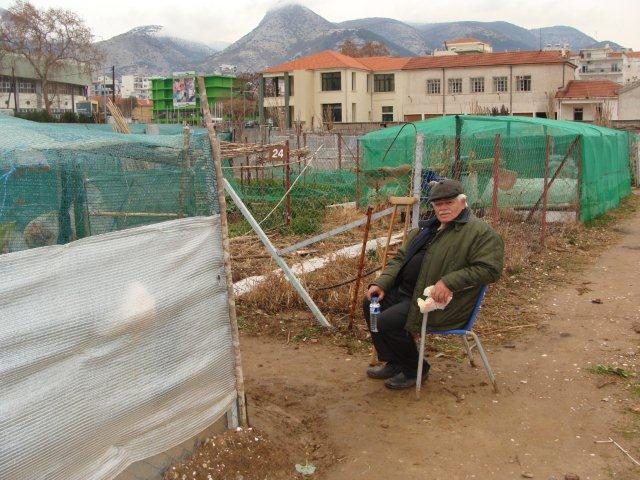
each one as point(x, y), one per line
point(21, 90)
point(104, 85)
point(329, 86)
point(605, 64)
point(137, 86)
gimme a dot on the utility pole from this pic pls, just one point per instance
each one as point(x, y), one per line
point(15, 91)
point(113, 85)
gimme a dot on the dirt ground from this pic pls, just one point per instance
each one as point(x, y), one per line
point(554, 401)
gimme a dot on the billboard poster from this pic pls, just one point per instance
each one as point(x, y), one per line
point(184, 89)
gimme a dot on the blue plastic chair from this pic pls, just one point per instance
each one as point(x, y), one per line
point(466, 331)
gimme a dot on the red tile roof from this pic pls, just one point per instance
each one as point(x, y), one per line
point(589, 89)
point(384, 63)
point(463, 40)
point(320, 60)
point(485, 60)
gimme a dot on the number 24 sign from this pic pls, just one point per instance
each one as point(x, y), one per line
point(278, 153)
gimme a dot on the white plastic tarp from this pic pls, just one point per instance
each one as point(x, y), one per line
point(113, 348)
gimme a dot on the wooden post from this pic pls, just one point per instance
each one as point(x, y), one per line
point(358, 193)
point(356, 287)
point(579, 184)
point(339, 139)
point(457, 162)
point(389, 232)
point(545, 190)
point(184, 173)
point(575, 142)
point(496, 179)
point(287, 185)
point(224, 230)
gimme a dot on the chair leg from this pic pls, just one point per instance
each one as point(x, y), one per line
point(485, 361)
point(468, 349)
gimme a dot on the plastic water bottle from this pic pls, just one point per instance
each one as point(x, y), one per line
point(374, 311)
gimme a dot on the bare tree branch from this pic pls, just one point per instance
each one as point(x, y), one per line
point(52, 40)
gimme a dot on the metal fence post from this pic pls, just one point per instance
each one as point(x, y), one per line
point(417, 180)
point(274, 254)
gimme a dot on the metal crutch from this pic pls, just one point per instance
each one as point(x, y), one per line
point(423, 334)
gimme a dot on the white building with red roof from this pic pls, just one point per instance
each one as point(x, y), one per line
point(590, 100)
point(329, 86)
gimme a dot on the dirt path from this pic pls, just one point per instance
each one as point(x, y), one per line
point(544, 421)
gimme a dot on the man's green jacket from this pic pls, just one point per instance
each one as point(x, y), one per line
point(465, 255)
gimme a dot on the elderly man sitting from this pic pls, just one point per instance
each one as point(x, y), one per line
point(454, 251)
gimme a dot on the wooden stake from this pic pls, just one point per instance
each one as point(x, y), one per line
point(356, 287)
point(186, 164)
point(496, 179)
point(224, 229)
point(575, 142)
point(339, 139)
point(545, 190)
point(389, 232)
point(287, 185)
point(357, 172)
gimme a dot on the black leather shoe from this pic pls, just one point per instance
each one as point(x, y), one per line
point(380, 372)
point(402, 380)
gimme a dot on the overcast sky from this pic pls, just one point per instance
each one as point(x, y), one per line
point(202, 20)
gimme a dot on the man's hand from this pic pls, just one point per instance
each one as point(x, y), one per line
point(375, 290)
point(440, 292)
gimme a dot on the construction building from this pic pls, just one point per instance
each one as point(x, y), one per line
point(176, 99)
point(331, 87)
point(137, 86)
point(21, 90)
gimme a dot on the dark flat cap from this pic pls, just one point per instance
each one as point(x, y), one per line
point(445, 189)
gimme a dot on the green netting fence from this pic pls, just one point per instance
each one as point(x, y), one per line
point(589, 164)
point(62, 182)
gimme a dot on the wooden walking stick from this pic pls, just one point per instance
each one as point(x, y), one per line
point(407, 202)
point(356, 287)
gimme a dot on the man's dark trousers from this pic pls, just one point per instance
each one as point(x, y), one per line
point(393, 343)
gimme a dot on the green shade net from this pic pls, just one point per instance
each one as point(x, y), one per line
point(62, 182)
point(589, 161)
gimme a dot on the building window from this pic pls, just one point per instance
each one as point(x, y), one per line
point(5, 85)
point(578, 114)
point(433, 86)
point(455, 85)
point(353, 81)
point(332, 112)
point(25, 86)
point(615, 67)
point(583, 69)
point(523, 83)
point(477, 84)
point(499, 84)
point(387, 114)
point(331, 82)
point(383, 82)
